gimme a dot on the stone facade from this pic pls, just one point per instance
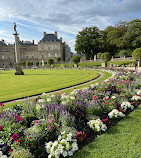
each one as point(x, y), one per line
point(49, 47)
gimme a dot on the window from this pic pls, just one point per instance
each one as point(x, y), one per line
point(42, 47)
point(49, 55)
point(48, 47)
point(26, 57)
point(32, 56)
point(42, 56)
point(55, 55)
point(55, 47)
point(2, 56)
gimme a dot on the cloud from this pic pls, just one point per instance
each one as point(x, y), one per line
point(67, 17)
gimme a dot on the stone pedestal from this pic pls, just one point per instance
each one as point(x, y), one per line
point(103, 65)
point(18, 69)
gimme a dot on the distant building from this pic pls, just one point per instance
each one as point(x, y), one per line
point(49, 47)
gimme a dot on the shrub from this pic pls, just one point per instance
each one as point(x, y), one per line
point(99, 55)
point(137, 54)
point(75, 59)
point(50, 61)
point(28, 63)
point(123, 53)
point(23, 63)
point(58, 59)
point(106, 56)
point(37, 63)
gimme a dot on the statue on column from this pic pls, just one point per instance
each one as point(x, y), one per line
point(17, 54)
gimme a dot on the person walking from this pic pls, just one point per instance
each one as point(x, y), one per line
point(136, 65)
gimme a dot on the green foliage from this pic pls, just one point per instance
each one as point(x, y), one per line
point(50, 61)
point(106, 56)
point(45, 62)
point(28, 63)
point(58, 59)
point(123, 53)
point(88, 42)
point(21, 153)
point(99, 55)
point(37, 63)
point(23, 63)
point(121, 140)
point(137, 54)
point(75, 59)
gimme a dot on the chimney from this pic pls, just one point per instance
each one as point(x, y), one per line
point(44, 34)
point(33, 41)
point(61, 39)
point(56, 33)
point(2, 41)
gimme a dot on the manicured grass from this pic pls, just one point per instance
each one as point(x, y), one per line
point(39, 81)
point(106, 75)
point(122, 141)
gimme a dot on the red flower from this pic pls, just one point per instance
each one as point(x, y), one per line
point(37, 145)
point(79, 138)
point(59, 126)
point(0, 128)
point(17, 143)
point(30, 137)
point(121, 110)
point(95, 97)
point(10, 150)
point(20, 140)
point(14, 136)
point(105, 121)
point(50, 128)
point(1, 104)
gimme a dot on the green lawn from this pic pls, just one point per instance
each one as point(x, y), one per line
point(122, 141)
point(39, 81)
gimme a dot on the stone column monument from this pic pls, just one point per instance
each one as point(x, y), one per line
point(17, 54)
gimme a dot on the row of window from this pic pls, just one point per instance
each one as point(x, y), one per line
point(33, 56)
point(49, 47)
point(43, 56)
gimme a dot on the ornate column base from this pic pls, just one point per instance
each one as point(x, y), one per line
point(18, 69)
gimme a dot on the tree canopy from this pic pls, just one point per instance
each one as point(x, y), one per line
point(124, 36)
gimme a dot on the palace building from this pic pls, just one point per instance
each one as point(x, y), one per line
point(49, 47)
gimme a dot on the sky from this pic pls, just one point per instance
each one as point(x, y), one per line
point(67, 17)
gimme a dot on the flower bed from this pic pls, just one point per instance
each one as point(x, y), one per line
point(58, 125)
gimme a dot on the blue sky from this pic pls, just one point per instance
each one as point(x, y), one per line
point(67, 17)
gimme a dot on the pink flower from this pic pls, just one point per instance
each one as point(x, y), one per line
point(50, 128)
point(59, 126)
point(60, 92)
point(0, 128)
point(36, 122)
point(52, 120)
point(95, 97)
point(14, 136)
point(1, 104)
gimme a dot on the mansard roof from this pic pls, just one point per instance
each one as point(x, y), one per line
point(2, 43)
point(49, 37)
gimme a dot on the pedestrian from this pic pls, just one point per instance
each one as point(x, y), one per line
point(136, 64)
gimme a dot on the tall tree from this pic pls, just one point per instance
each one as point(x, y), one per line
point(132, 37)
point(87, 42)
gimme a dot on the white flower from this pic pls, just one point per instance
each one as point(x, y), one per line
point(70, 153)
point(63, 102)
point(63, 132)
point(4, 156)
point(1, 153)
point(97, 125)
point(43, 94)
point(115, 113)
point(75, 147)
point(41, 100)
point(38, 107)
point(72, 98)
point(113, 97)
point(48, 100)
point(136, 98)
point(125, 105)
point(65, 153)
point(139, 92)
